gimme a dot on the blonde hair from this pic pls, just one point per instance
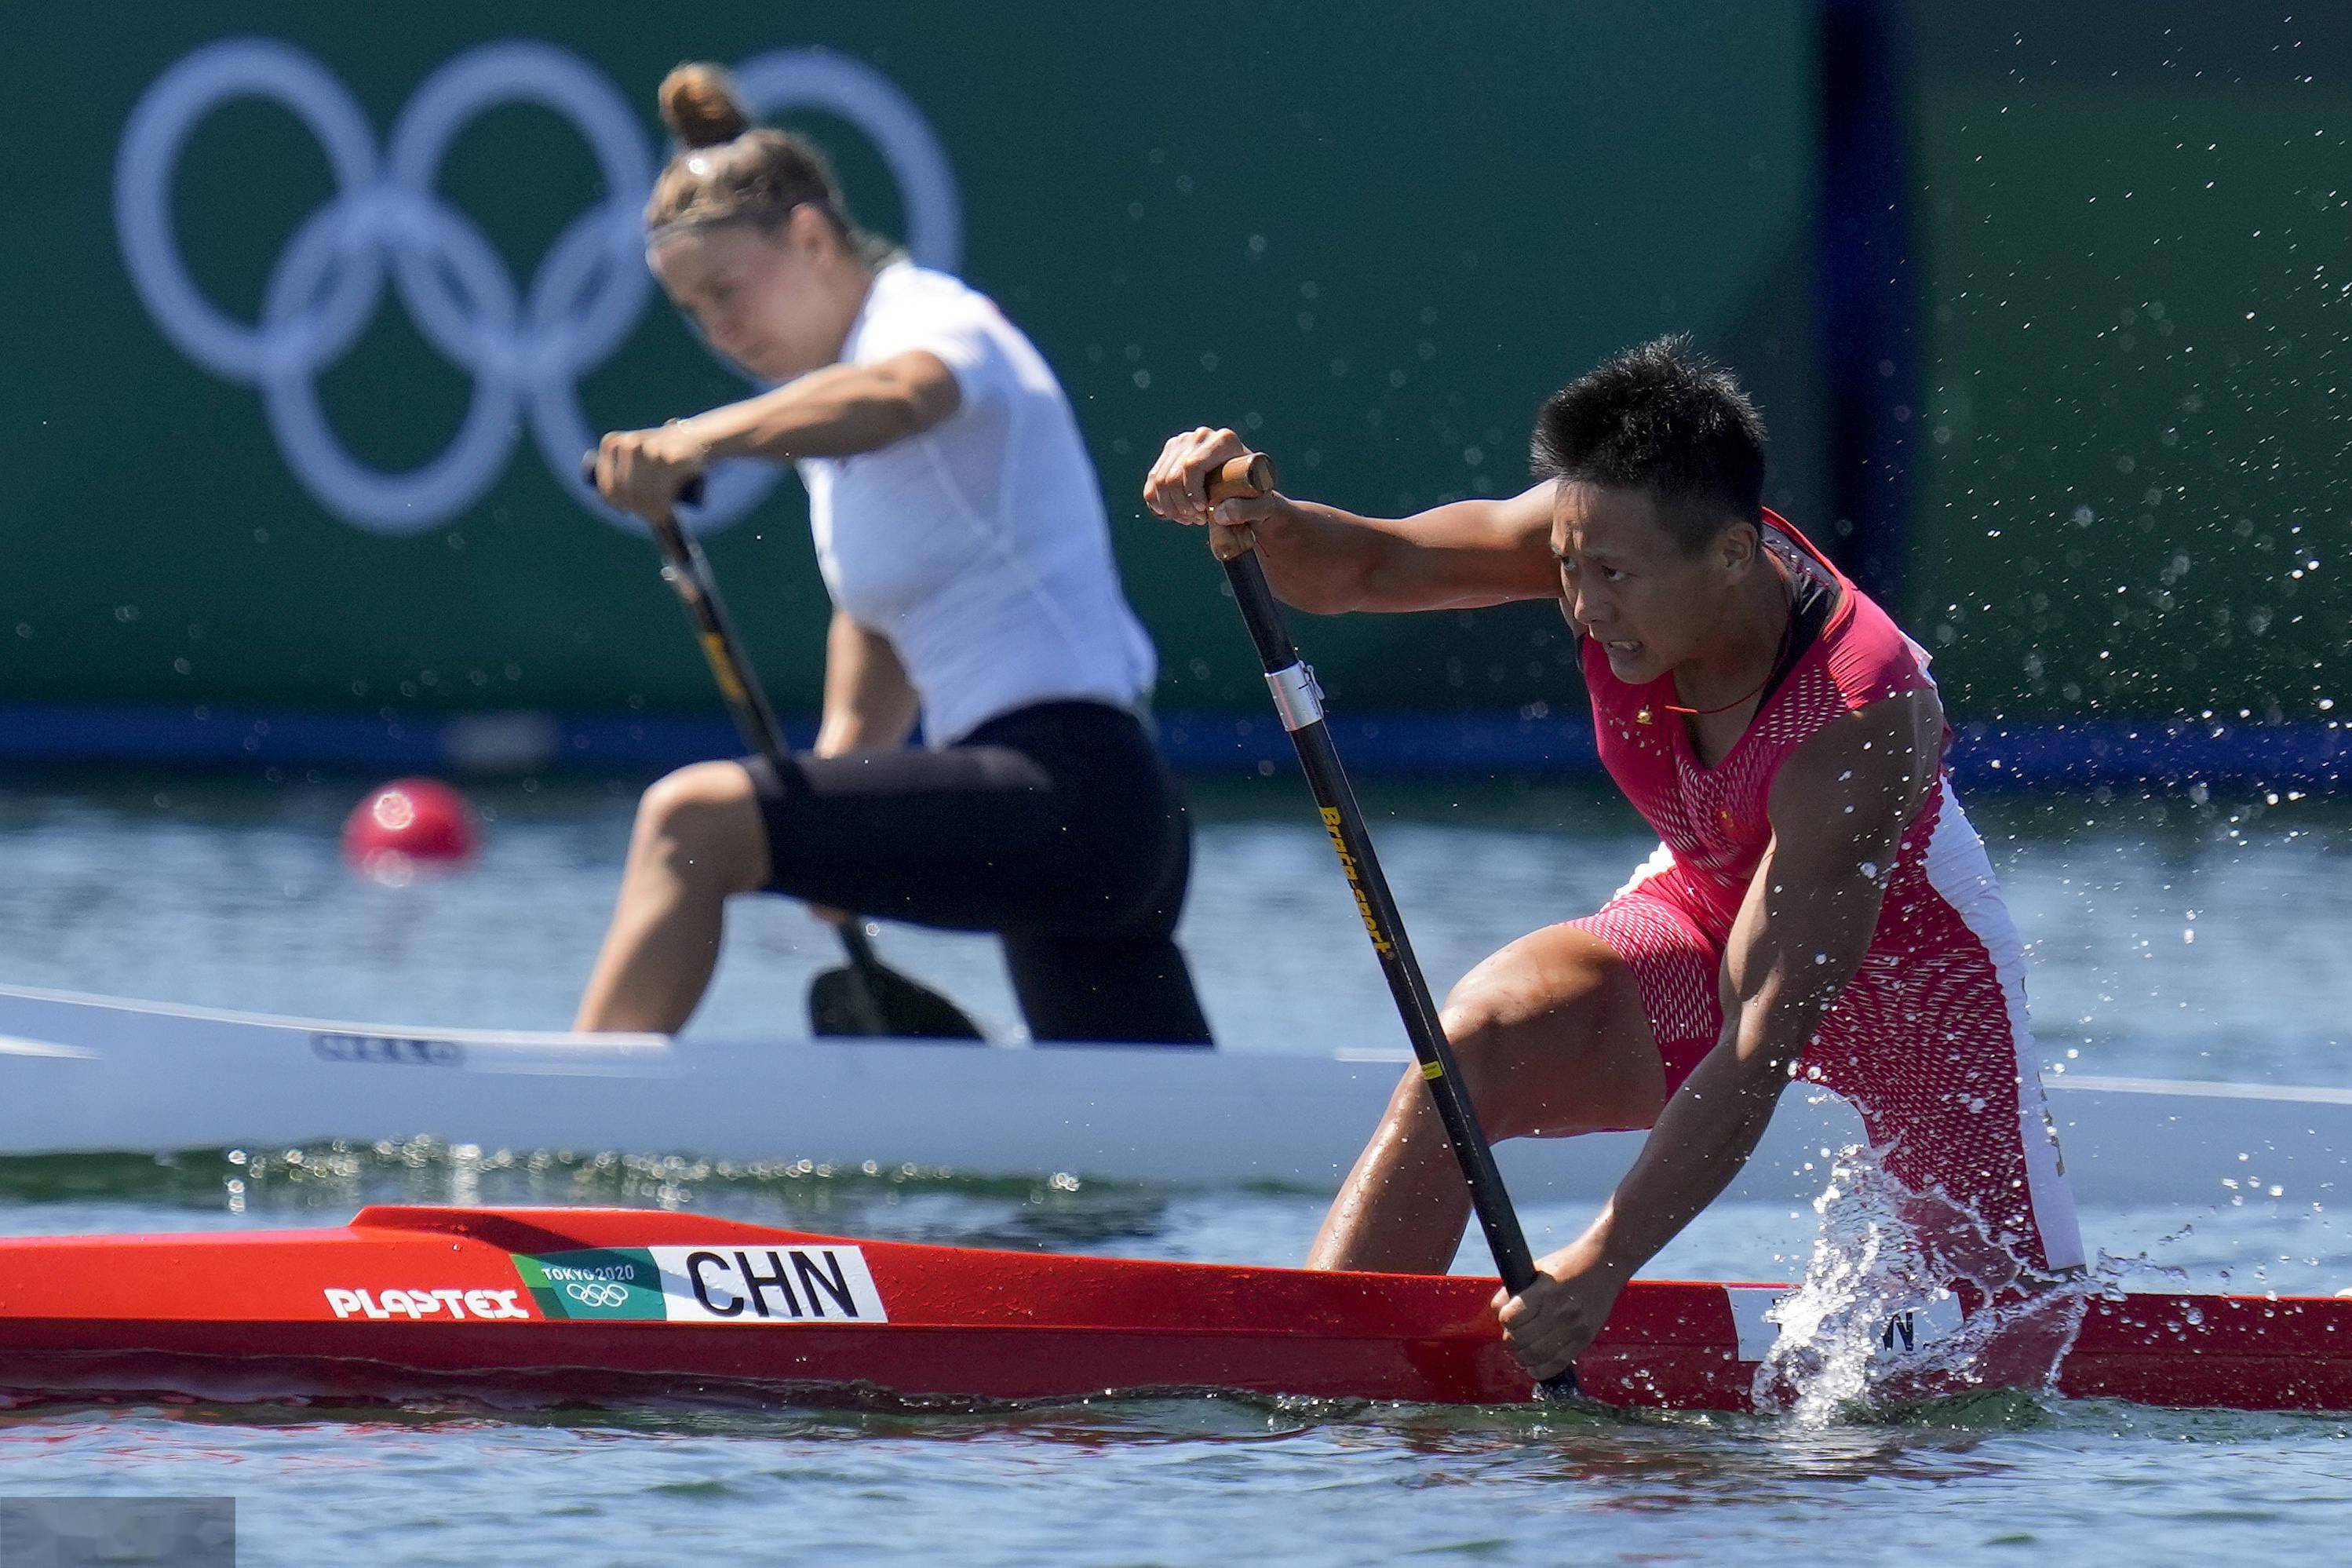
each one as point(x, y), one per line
point(728, 169)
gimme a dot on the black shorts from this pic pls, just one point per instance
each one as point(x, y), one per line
point(1058, 826)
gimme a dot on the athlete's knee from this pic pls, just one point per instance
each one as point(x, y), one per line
point(1481, 1025)
point(1514, 1024)
point(1512, 992)
point(1477, 1039)
point(702, 823)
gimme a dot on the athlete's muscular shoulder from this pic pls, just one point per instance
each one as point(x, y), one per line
point(1863, 775)
point(1840, 805)
point(1869, 657)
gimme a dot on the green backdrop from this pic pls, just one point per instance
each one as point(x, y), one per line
point(2136, 485)
point(1376, 234)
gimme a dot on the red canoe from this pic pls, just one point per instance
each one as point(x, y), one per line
point(599, 1305)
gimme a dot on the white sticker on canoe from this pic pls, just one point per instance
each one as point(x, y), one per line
point(722, 1284)
point(416, 1306)
point(768, 1284)
point(1902, 1334)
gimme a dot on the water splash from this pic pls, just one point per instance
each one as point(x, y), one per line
point(1907, 1297)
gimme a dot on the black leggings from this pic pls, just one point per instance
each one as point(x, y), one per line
point(1057, 826)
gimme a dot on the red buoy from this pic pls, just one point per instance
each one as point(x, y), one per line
point(407, 824)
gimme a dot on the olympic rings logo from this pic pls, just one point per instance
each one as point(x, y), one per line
point(594, 1293)
point(526, 351)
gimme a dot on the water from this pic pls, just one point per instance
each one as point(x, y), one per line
point(230, 894)
point(226, 895)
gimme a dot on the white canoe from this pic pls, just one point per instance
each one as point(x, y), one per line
point(80, 1074)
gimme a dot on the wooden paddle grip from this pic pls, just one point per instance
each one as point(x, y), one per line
point(1244, 477)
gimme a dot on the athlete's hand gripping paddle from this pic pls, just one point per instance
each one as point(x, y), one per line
point(865, 996)
point(1299, 701)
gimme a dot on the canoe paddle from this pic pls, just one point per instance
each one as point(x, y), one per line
point(865, 996)
point(1299, 701)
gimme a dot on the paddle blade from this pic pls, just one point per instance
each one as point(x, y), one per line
point(840, 1003)
point(873, 999)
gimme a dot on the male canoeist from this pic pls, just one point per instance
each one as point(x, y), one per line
point(1820, 906)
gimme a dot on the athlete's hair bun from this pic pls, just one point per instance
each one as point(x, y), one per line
point(699, 106)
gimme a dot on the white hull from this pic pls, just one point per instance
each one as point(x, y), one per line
point(91, 1073)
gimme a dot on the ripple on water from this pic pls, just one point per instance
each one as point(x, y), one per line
point(2101, 891)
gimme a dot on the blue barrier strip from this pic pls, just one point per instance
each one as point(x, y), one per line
point(2311, 755)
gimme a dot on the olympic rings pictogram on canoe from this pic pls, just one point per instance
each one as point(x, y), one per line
point(596, 1293)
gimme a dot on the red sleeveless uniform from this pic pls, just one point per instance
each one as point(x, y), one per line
point(1928, 1040)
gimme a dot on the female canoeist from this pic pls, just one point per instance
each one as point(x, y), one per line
point(1820, 906)
point(963, 537)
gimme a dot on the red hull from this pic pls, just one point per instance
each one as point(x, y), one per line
point(601, 1306)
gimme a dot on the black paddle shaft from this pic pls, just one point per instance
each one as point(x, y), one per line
point(1300, 704)
point(684, 570)
point(908, 1009)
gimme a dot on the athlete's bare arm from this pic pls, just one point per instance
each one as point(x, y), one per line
point(1328, 561)
point(836, 412)
point(869, 703)
point(1839, 808)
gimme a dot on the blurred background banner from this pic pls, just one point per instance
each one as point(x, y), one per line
point(2134, 226)
point(312, 304)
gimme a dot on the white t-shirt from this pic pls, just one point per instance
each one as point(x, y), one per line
point(979, 548)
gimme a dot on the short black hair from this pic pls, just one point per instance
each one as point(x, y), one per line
point(1664, 418)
